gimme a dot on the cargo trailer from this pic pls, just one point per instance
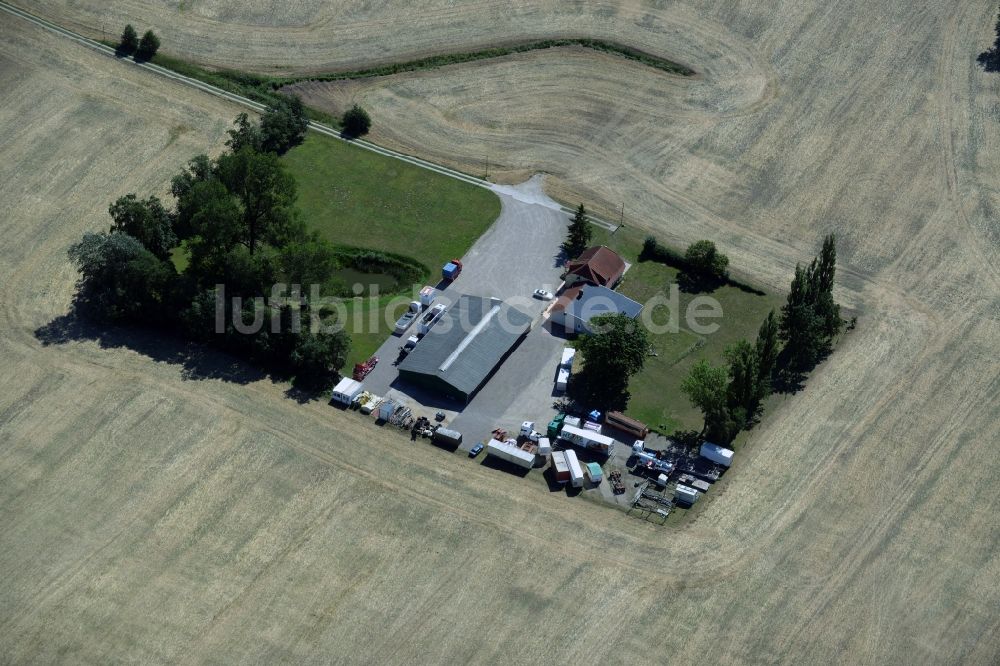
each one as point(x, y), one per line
point(686, 494)
point(717, 454)
point(594, 472)
point(575, 471)
point(587, 439)
point(562, 379)
point(568, 354)
point(448, 437)
point(510, 453)
point(626, 424)
point(346, 391)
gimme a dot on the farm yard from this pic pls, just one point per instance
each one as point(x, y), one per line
point(160, 504)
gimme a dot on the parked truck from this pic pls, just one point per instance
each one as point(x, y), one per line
point(587, 439)
point(451, 270)
point(575, 470)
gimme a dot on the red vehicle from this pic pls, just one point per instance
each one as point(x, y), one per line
point(361, 370)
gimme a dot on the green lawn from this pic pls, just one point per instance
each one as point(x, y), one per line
point(356, 197)
point(352, 196)
point(656, 397)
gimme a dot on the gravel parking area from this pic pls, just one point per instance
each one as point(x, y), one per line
point(518, 254)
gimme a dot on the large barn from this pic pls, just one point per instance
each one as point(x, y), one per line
point(460, 353)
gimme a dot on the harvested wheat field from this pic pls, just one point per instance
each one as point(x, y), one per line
point(160, 506)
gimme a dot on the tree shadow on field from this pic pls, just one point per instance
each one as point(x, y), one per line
point(197, 361)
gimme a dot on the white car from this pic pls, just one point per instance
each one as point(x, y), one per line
point(542, 294)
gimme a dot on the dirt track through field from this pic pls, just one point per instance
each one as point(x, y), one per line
point(156, 510)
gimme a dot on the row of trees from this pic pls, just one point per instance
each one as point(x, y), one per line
point(142, 49)
point(730, 396)
point(234, 216)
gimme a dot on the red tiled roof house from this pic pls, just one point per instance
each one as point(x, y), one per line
point(600, 266)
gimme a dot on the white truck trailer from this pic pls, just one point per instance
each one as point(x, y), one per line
point(717, 454)
point(510, 453)
point(587, 439)
point(575, 471)
point(562, 379)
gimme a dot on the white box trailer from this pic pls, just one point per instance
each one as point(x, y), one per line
point(686, 494)
point(346, 391)
point(562, 379)
point(575, 471)
point(568, 354)
point(587, 439)
point(544, 446)
point(427, 296)
point(717, 454)
point(510, 453)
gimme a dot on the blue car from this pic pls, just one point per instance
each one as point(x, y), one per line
point(476, 450)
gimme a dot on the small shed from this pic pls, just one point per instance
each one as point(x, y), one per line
point(346, 391)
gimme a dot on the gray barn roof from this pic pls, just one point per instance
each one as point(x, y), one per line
point(468, 342)
point(595, 301)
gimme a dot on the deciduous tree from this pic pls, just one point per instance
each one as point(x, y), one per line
point(146, 221)
point(356, 122)
point(611, 355)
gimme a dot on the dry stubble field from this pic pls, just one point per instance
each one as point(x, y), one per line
point(147, 513)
